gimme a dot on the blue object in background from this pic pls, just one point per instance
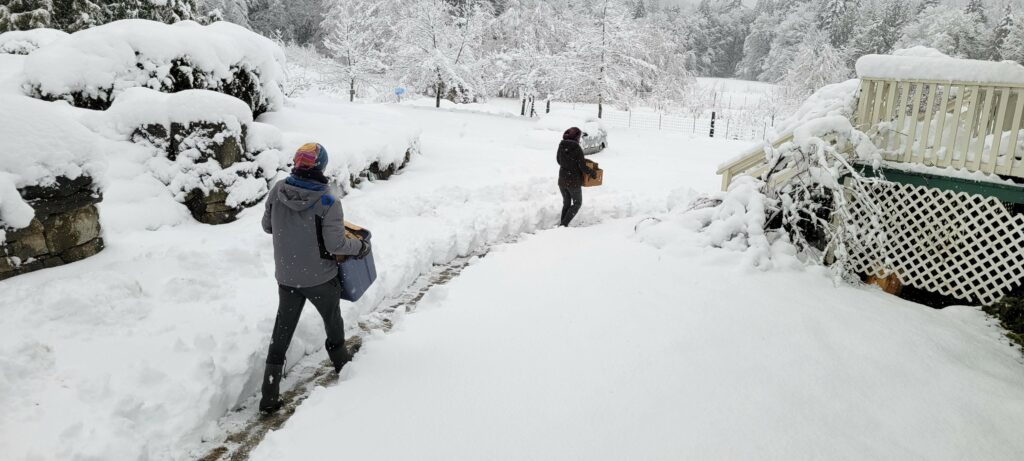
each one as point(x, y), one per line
point(399, 91)
point(357, 274)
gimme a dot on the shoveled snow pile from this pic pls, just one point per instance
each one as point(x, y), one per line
point(929, 64)
point(190, 167)
point(91, 67)
point(27, 41)
point(39, 142)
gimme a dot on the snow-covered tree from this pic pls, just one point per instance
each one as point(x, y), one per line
point(791, 31)
point(25, 14)
point(977, 7)
point(1013, 47)
point(837, 19)
point(999, 35)
point(358, 35)
point(816, 64)
point(290, 20)
point(950, 30)
point(607, 54)
point(437, 46)
point(883, 23)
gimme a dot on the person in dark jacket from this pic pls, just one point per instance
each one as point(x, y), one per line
point(307, 223)
point(571, 168)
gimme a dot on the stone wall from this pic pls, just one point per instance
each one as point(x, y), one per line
point(215, 142)
point(66, 228)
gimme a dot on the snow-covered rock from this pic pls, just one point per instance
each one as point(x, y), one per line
point(92, 67)
point(48, 164)
point(27, 41)
point(39, 143)
point(200, 141)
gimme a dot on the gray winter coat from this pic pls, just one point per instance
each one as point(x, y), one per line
point(309, 228)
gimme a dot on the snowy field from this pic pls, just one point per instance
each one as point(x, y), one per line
point(614, 339)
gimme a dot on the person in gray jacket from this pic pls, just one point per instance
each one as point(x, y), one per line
point(307, 223)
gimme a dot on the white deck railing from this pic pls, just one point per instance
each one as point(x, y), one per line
point(960, 125)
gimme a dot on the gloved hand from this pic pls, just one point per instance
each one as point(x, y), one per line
point(593, 175)
point(364, 249)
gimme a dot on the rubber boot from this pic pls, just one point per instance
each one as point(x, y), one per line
point(271, 400)
point(342, 354)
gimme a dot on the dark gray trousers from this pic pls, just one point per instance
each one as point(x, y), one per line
point(572, 200)
point(325, 297)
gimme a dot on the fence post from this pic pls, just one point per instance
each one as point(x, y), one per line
point(764, 131)
point(727, 128)
point(659, 121)
point(629, 121)
point(712, 134)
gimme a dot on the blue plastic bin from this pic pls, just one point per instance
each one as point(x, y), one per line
point(357, 274)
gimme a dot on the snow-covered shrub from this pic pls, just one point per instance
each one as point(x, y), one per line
point(27, 41)
point(201, 142)
point(91, 67)
point(49, 167)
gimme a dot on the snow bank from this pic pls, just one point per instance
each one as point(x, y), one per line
point(927, 64)
point(93, 66)
point(40, 141)
point(27, 41)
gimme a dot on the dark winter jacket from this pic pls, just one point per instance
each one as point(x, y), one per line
point(572, 167)
point(309, 228)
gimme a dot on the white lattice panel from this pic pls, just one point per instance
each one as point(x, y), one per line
point(963, 245)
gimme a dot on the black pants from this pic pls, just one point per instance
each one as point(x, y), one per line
point(325, 298)
point(572, 200)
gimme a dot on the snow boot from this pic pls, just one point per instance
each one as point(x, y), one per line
point(340, 355)
point(271, 399)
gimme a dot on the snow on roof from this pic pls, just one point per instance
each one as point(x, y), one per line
point(124, 54)
point(136, 107)
point(918, 64)
point(27, 41)
point(39, 141)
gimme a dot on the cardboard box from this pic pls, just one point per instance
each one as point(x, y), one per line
point(592, 182)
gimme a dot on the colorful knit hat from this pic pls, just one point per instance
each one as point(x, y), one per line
point(310, 156)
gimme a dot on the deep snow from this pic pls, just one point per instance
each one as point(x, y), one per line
point(628, 339)
point(589, 344)
point(148, 343)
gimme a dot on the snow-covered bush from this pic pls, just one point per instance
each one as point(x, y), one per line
point(27, 41)
point(200, 138)
point(91, 67)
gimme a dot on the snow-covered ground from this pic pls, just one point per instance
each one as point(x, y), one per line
point(580, 343)
point(590, 344)
point(148, 343)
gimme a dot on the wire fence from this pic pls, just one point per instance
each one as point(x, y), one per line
point(743, 128)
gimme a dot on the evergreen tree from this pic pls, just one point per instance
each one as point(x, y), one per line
point(1013, 46)
point(951, 31)
point(25, 14)
point(884, 23)
point(1000, 34)
point(977, 7)
point(837, 19)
